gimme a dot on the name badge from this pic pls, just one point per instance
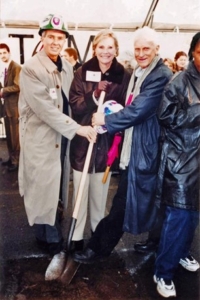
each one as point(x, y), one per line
point(52, 93)
point(93, 76)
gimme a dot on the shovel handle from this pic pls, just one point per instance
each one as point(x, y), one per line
point(82, 182)
point(105, 175)
point(86, 165)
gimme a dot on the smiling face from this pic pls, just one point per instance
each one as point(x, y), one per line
point(53, 42)
point(145, 51)
point(105, 51)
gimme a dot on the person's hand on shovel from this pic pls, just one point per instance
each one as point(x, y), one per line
point(98, 119)
point(88, 132)
point(102, 86)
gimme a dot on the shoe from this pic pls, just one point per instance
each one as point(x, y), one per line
point(87, 256)
point(189, 263)
point(56, 266)
point(6, 163)
point(147, 246)
point(12, 168)
point(77, 246)
point(165, 288)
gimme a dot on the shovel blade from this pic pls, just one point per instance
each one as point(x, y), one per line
point(70, 270)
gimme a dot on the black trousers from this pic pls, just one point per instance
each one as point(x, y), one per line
point(47, 233)
point(110, 229)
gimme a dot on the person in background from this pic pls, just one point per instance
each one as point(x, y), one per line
point(111, 77)
point(169, 63)
point(134, 209)
point(1, 109)
point(179, 116)
point(126, 58)
point(9, 92)
point(180, 61)
point(71, 55)
point(45, 80)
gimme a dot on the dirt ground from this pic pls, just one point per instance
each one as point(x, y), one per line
point(124, 275)
point(104, 280)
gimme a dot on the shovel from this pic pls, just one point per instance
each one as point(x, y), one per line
point(72, 266)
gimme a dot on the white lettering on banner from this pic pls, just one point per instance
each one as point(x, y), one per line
point(25, 42)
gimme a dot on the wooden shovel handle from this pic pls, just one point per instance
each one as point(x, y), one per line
point(86, 165)
point(105, 175)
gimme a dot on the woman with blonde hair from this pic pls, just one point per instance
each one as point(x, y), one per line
point(101, 73)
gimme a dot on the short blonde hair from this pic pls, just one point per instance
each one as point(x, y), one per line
point(105, 33)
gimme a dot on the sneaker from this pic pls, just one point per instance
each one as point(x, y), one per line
point(189, 263)
point(165, 288)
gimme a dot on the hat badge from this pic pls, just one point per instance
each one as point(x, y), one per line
point(56, 21)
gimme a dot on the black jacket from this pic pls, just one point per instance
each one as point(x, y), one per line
point(83, 107)
point(179, 114)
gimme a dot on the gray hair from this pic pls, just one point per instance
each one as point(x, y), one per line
point(148, 33)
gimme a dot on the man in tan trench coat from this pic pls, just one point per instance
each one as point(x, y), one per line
point(44, 87)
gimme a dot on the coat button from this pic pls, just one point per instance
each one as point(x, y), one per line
point(67, 121)
point(58, 106)
point(57, 86)
point(57, 146)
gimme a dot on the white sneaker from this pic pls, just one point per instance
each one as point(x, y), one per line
point(189, 263)
point(165, 290)
point(56, 266)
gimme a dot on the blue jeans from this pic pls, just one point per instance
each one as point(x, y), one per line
point(176, 239)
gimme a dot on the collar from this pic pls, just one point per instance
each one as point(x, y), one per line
point(139, 71)
point(114, 74)
point(58, 63)
point(5, 65)
point(192, 69)
point(49, 64)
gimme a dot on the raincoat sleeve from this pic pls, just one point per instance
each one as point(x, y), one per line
point(37, 96)
point(143, 107)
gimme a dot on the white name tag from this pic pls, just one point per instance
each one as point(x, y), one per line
point(93, 76)
point(52, 93)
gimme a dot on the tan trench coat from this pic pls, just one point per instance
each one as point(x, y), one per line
point(41, 125)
